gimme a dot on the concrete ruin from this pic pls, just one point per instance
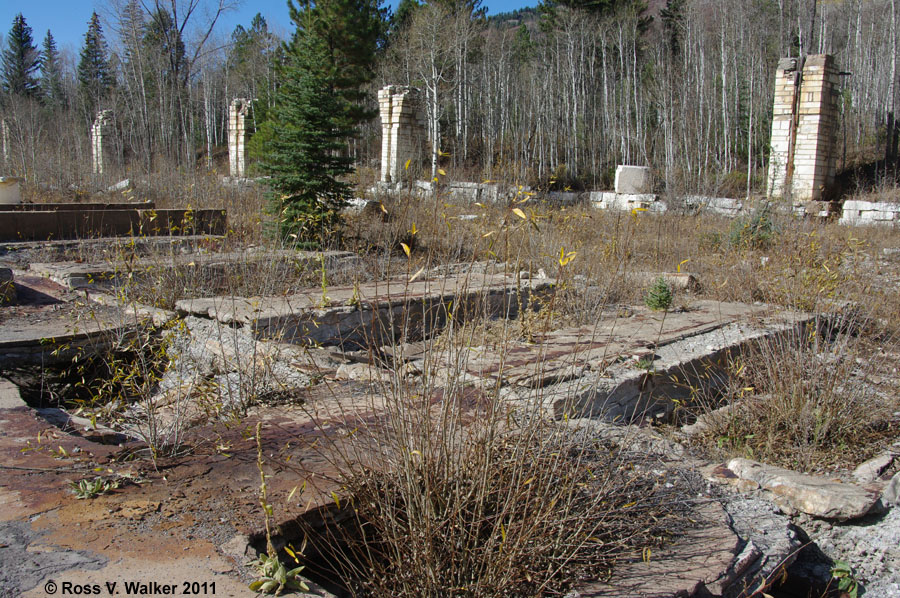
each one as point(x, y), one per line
point(238, 111)
point(43, 222)
point(236, 347)
point(804, 128)
point(101, 145)
point(402, 129)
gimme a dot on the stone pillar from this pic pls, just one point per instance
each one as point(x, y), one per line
point(4, 142)
point(237, 135)
point(803, 159)
point(402, 128)
point(99, 131)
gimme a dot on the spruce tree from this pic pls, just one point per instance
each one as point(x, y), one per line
point(21, 60)
point(95, 78)
point(316, 111)
point(52, 74)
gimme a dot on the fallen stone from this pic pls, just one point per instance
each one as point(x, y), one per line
point(809, 494)
point(891, 494)
point(122, 185)
point(871, 469)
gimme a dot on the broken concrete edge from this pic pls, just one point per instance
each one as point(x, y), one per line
point(625, 393)
point(274, 313)
point(10, 398)
point(157, 316)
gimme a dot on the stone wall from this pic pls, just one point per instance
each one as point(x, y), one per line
point(804, 128)
point(402, 130)
point(855, 212)
point(237, 135)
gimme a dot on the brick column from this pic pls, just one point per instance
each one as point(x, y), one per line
point(810, 114)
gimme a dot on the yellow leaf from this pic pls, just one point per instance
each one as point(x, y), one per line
point(520, 213)
point(488, 234)
point(383, 209)
point(413, 230)
point(406, 166)
point(683, 262)
point(416, 275)
point(291, 495)
point(442, 172)
point(528, 481)
point(405, 248)
point(337, 500)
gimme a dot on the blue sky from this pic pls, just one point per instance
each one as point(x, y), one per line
point(67, 19)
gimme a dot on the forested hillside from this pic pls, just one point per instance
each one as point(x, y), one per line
point(562, 93)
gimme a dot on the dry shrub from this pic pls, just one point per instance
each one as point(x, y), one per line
point(455, 491)
point(816, 397)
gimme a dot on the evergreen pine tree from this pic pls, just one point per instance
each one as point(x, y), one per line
point(21, 60)
point(316, 110)
point(95, 78)
point(52, 74)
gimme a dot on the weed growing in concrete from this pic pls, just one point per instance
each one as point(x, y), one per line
point(86, 489)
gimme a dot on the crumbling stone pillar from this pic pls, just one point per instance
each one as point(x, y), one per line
point(804, 128)
point(402, 127)
point(237, 135)
point(4, 142)
point(99, 132)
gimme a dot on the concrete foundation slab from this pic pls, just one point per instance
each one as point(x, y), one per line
point(632, 363)
point(371, 313)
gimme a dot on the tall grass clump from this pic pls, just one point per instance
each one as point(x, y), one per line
point(816, 397)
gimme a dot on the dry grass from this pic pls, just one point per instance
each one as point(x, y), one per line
point(807, 404)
